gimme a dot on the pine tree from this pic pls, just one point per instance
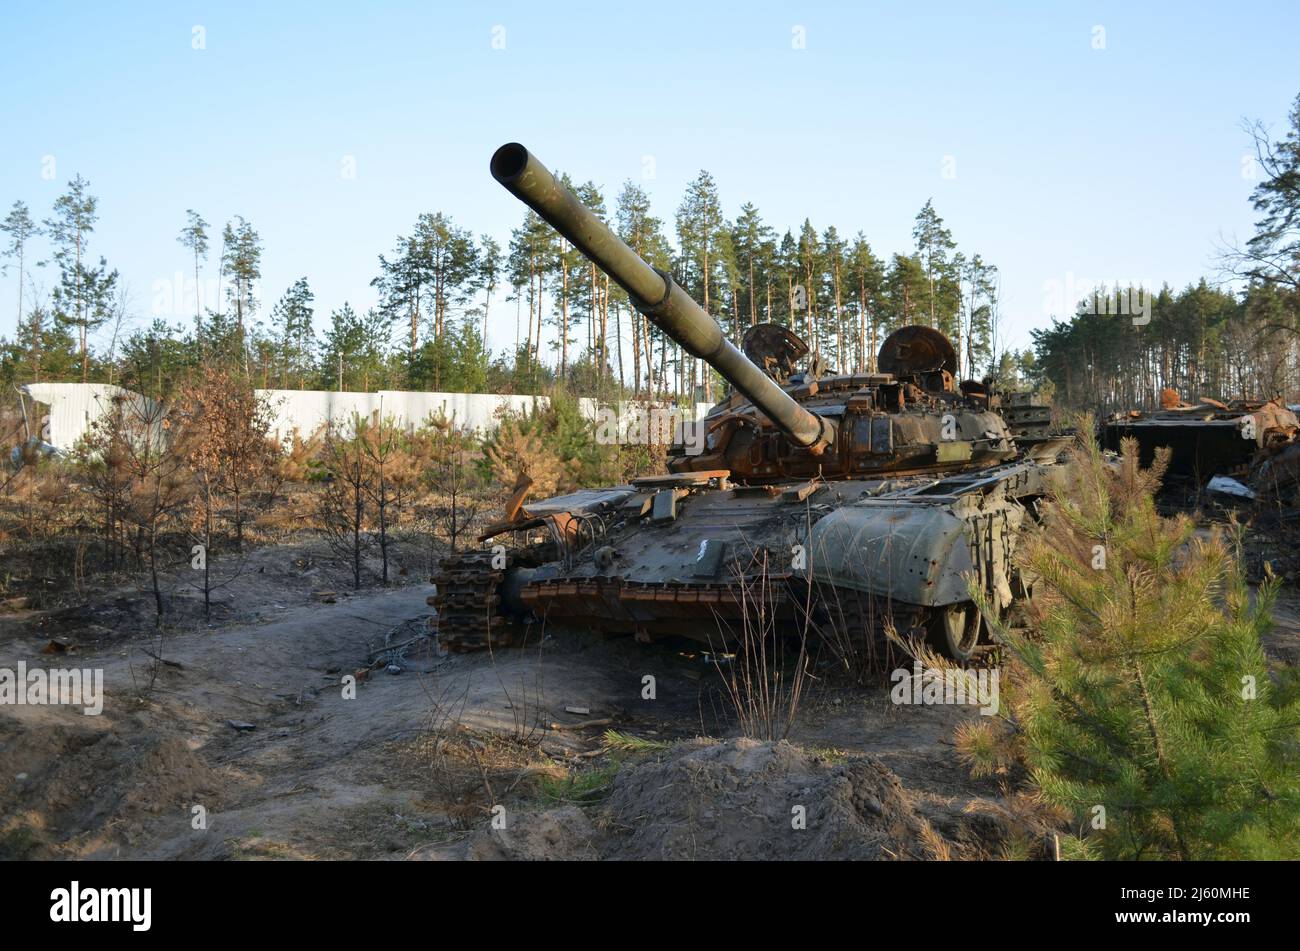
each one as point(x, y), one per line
point(433, 274)
point(242, 262)
point(450, 462)
point(451, 262)
point(84, 299)
point(700, 230)
point(221, 429)
point(1144, 705)
point(564, 260)
point(753, 242)
point(295, 338)
point(788, 304)
point(809, 283)
point(516, 448)
point(588, 285)
point(400, 285)
point(343, 503)
point(41, 350)
point(643, 233)
point(866, 283)
point(83, 296)
point(1273, 253)
point(532, 246)
point(194, 236)
point(934, 248)
point(376, 349)
point(906, 286)
point(489, 275)
point(20, 228)
point(979, 304)
point(342, 344)
point(833, 273)
point(155, 359)
point(394, 474)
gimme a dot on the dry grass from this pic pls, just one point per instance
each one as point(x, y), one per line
point(467, 772)
point(851, 634)
point(765, 678)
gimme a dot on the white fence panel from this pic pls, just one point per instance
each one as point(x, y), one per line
point(479, 412)
point(73, 407)
point(309, 410)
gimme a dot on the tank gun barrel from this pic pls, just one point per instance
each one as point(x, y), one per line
point(655, 294)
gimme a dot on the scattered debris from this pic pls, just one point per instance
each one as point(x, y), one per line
point(241, 726)
point(162, 660)
point(1277, 478)
point(391, 655)
point(583, 725)
point(1226, 485)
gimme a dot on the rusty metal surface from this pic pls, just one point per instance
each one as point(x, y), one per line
point(908, 542)
point(776, 349)
point(916, 349)
point(468, 603)
point(883, 425)
point(922, 554)
point(1207, 438)
point(1276, 479)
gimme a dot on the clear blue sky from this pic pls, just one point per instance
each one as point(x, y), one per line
point(1122, 163)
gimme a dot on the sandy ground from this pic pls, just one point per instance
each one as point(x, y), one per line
point(464, 756)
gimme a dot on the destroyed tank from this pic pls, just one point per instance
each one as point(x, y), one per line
point(1206, 438)
point(847, 500)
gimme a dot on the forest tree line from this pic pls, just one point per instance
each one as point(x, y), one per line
point(1235, 336)
point(437, 285)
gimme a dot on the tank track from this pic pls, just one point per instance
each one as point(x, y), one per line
point(852, 627)
point(467, 602)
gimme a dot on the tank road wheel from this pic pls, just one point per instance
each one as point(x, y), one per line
point(954, 630)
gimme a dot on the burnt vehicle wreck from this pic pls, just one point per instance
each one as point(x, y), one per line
point(873, 499)
point(1206, 438)
point(1246, 448)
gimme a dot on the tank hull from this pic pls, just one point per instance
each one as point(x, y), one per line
point(694, 555)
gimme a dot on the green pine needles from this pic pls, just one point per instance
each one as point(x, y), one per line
point(1141, 703)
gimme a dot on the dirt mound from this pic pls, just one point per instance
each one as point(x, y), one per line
point(738, 799)
point(748, 800)
point(564, 834)
point(85, 788)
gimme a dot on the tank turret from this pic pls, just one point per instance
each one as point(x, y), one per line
point(777, 424)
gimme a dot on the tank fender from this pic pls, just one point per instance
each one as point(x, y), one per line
point(918, 552)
